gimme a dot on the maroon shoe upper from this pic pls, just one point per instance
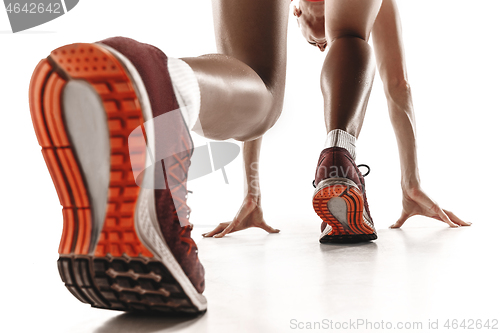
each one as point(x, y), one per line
point(336, 162)
point(171, 139)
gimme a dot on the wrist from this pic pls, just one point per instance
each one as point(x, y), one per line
point(410, 183)
point(252, 199)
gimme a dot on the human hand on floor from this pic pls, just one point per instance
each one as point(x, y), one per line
point(416, 202)
point(249, 215)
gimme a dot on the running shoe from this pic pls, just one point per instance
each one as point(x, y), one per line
point(118, 149)
point(340, 199)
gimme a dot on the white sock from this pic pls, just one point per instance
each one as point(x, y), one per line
point(342, 139)
point(186, 89)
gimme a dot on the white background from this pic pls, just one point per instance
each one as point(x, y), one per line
point(452, 59)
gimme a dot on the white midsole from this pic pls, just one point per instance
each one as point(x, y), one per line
point(146, 221)
point(341, 181)
point(326, 231)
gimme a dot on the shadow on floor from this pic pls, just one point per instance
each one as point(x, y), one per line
point(145, 323)
point(368, 246)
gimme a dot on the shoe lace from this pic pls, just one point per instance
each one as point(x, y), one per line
point(366, 166)
point(185, 234)
point(359, 166)
point(177, 195)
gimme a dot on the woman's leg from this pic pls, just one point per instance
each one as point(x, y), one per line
point(349, 66)
point(242, 89)
point(346, 82)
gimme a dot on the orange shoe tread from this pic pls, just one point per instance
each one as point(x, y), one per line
point(104, 72)
point(355, 206)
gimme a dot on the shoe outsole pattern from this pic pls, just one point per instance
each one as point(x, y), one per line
point(357, 230)
point(118, 272)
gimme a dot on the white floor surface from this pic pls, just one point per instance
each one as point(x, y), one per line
point(274, 283)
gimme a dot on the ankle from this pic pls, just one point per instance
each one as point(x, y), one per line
point(342, 139)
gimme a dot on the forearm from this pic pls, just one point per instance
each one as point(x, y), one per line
point(389, 50)
point(251, 156)
point(399, 101)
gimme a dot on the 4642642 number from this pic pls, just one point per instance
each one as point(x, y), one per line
point(34, 8)
point(471, 324)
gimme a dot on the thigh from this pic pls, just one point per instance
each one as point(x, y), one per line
point(255, 32)
point(350, 18)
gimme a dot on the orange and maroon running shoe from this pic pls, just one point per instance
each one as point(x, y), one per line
point(117, 149)
point(340, 199)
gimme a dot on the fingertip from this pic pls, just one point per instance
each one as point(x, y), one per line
point(397, 224)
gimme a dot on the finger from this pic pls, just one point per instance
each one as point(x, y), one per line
point(226, 230)
point(455, 219)
point(401, 221)
point(269, 229)
point(433, 209)
point(443, 217)
point(217, 229)
point(240, 216)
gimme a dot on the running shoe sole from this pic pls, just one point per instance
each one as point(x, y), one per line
point(86, 100)
point(339, 203)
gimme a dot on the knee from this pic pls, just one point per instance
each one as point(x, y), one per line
point(267, 116)
point(274, 105)
point(348, 34)
point(274, 113)
point(266, 102)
